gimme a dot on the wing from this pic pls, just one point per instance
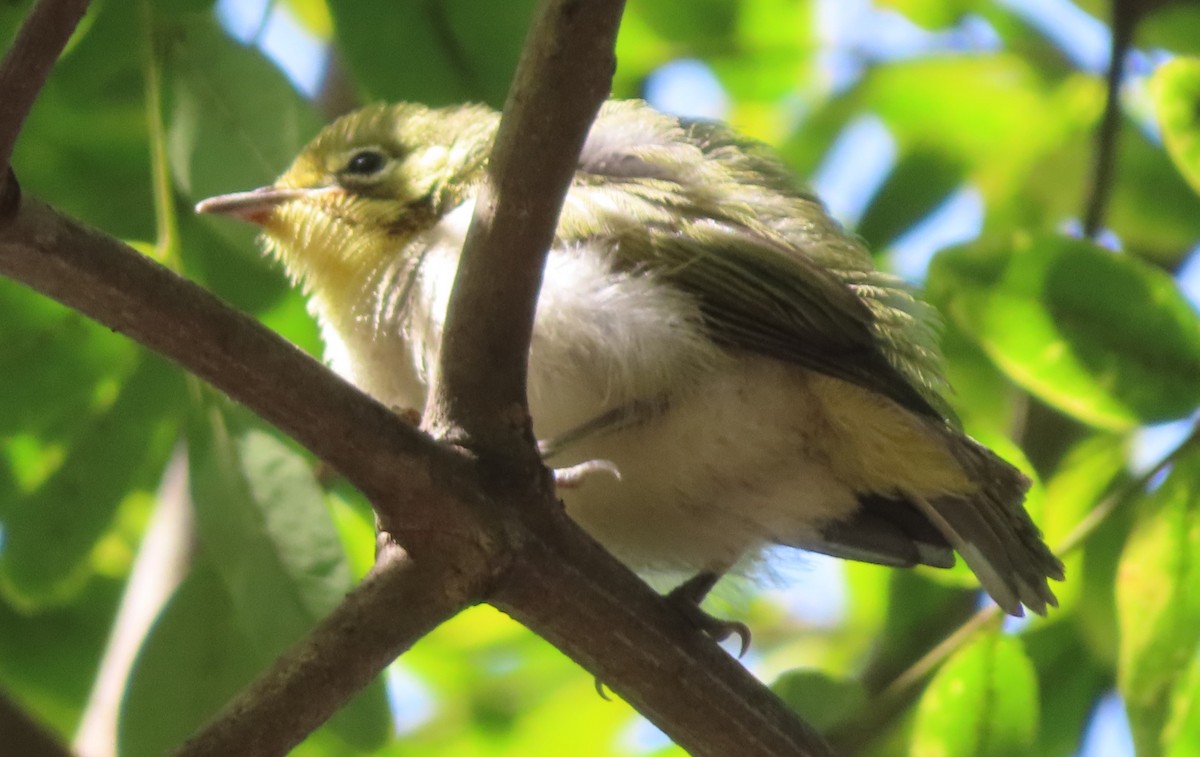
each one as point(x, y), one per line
point(771, 272)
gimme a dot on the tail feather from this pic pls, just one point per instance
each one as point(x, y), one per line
point(994, 534)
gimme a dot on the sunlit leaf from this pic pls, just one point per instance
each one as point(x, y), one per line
point(982, 703)
point(1181, 736)
point(1176, 92)
point(1100, 336)
point(118, 449)
point(1158, 601)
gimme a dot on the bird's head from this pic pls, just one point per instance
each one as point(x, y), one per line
point(364, 186)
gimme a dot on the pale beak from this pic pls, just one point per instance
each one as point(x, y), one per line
point(254, 206)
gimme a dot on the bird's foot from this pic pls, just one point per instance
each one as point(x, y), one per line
point(687, 598)
point(574, 476)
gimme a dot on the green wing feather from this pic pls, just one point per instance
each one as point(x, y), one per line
point(772, 273)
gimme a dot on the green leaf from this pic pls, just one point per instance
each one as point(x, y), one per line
point(234, 121)
point(1101, 336)
point(1080, 482)
point(119, 450)
point(48, 659)
point(261, 515)
point(1175, 89)
point(1182, 733)
point(1071, 683)
point(438, 53)
point(84, 143)
point(195, 658)
point(823, 701)
point(1158, 601)
point(982, 703)
point(916, 186)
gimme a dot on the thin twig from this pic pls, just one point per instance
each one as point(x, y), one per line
point(376, 622)
point(564, 75)
point(1125, 17)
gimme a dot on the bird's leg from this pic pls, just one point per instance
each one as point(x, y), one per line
point(617, 418)
point(688, 596)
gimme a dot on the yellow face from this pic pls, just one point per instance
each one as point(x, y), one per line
point(366, 184)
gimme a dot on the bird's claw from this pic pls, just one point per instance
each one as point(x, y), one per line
point(573, 477)
point(717, 629)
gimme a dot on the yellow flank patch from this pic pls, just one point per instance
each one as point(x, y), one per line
point(878, 446)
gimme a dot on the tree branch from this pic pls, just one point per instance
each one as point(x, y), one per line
point(399, 602)
point(468, 533)
point(564, 75)
point(21, 734)
point(1125, 17)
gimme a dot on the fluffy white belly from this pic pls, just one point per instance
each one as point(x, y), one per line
point(734, 459)
point(729, 467)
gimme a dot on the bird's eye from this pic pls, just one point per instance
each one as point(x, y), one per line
point(365, 163)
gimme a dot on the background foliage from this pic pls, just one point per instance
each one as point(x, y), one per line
point(957, 127)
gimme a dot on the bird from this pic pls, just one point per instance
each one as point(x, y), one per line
point(704, 329)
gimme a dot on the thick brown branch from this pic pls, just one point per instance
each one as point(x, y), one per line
point(29, 61)
point(21, 734)
point(129, 293)
point(397, 604)
point(564, 75)
point(568, 590)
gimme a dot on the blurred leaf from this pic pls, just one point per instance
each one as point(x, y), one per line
point(117, 451)
point(48, 659)
point(824, 702)
point(313, 15)
point(1153, 210)
point(1175, 27)
point(1158, 601)
point(262, 518)
point(706, 25)
point(1079, 484)
point(234, 122)
point(1070, 683)
point(983, 702)
point(931, 611)
point(194, 659)
point(919, 183)
point(438, 53)
point(1003, 116)
point(1101, 336)
point(1175, 88)
point(84, 143)
point(1182, 733)
point(56, 367)
point(930, 14)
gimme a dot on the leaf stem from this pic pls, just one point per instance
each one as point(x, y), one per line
point(166, 243)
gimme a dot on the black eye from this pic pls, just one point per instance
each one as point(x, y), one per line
point(365, 163)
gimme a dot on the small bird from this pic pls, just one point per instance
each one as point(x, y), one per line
point(703, 326)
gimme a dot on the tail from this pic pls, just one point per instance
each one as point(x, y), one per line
point(993, 533)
